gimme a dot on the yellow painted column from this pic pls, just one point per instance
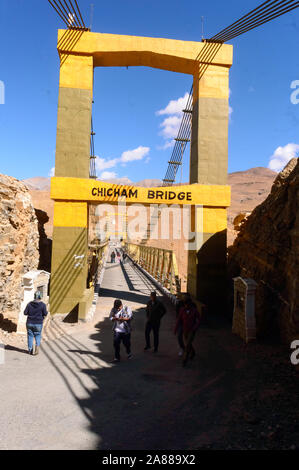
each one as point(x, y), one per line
point(74, 116)
point(70, 231)
point(69, 257)
point(209, 143)
point(208, 165)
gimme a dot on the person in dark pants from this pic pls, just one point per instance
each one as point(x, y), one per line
point(121, 317)
point(112, 256)
point(189, 317)
point(154, 312)
point(179, 305)
point(36, 311)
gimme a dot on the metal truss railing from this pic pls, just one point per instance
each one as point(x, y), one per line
point(161, 264)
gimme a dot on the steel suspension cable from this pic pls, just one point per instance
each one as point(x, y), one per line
point(275, 13)
point(76, 14)
point(69, 12)
point(244, 18)
point(262, 14)
point(80, 13)
point(71, 15)
point(59, 12)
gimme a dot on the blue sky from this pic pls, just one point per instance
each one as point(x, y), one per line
point(263, 122)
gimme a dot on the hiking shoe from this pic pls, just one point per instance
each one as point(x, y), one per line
point(30, 352)
point(116, 360)
point(130, 356)
point(36, 351)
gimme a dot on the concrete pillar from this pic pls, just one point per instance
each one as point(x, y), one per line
point(70, 228)
point(209, 145)
point(208, 165)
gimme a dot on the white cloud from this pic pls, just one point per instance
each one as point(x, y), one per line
point(52, 172)
point(170, 127)
point(167, 145)
point(175, 106)
point(137, 154)
point(282, 156)
point(103, 164)
point(71, 19)
point(107, 175)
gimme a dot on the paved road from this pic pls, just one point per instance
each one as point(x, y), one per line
point(72, 397)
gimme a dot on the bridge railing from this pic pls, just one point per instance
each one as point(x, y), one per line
point(96, 260)
point(161, 264)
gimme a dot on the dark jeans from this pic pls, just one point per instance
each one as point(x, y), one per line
point(189, 352)
point(34, 331)
point(148, 328)
point(180, 338)
point(125, 338)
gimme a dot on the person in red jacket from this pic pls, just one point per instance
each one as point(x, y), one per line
point(189, 319)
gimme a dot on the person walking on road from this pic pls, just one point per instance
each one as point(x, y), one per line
point(36, 311)
point(190, 319)
point(112, 256)
point(121, 317)
point(178, 307)
point(155, 310)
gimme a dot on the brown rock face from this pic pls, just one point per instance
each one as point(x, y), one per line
point(41, 201)
point(18, 244)
point(267, 250)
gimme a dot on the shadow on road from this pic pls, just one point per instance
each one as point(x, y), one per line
point(149, 402)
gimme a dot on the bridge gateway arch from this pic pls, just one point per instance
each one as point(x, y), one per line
point(81, 51)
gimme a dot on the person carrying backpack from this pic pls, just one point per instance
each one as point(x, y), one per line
point(121, 317)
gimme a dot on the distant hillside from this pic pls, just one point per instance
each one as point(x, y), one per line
point(249, 189)
point(39, 182)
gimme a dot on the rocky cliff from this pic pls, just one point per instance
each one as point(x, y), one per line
point(19, 240)
point(267, 250)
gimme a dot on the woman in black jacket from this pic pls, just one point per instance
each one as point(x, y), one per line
point(36, 311)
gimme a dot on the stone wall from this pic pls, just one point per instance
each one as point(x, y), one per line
point(19, 240)
point(267, 250)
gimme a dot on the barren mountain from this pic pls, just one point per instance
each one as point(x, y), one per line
point(39, 182)
point(249, 188)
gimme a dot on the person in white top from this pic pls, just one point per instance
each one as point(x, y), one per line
point(121, 317)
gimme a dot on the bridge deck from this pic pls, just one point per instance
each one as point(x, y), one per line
point(72, 397)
